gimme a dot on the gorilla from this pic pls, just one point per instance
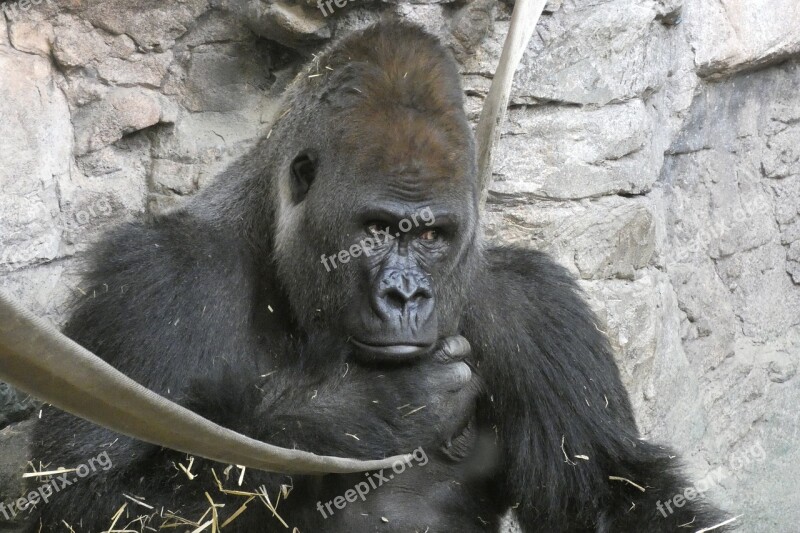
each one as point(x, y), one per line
point(330, 292)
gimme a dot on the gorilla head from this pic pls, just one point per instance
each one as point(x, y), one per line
point(374, 171)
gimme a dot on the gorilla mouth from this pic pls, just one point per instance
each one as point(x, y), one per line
point(386, 352)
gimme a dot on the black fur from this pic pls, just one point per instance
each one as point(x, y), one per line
point(224, 307)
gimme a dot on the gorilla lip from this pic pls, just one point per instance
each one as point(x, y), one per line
point(391, 351)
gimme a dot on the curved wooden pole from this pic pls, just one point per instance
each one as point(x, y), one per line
point(38, 359)
point(523, 21)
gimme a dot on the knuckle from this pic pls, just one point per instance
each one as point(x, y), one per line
point(454, 348)
point(453, 377)
point(462, 374)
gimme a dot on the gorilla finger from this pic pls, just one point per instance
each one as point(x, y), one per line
point(460, 408)
point(451, 377)
point(471, 390)
point(460, 376)
point(451, 349)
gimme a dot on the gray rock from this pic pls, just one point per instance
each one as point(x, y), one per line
point(291, 24)
point(46, 289)
point(120, 113)
point(591, 55)
point(785, 195)
point(731, 228)
point(217, 27)
point(77, 43)
point(793, 258)
point(783, 153)
point(106, 187)
point(154, 26)
point(608, 238)
point(32, 35)
point(420, 2)
point(121, 46)
point(225, 77)
point(432, 17)
point(170, 177)
point(568, 152)
point(470, 26)
point(729, 36)
point(37, 131)
point(641, 320)
point(136, 69)
point(4, 37)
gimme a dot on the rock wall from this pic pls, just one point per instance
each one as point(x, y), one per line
point(652, 146)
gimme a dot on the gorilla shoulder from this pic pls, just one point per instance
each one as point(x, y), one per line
point(525, 306)
point(514, 275)
point(165, 287)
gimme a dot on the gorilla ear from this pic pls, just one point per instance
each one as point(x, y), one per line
point(304, 170)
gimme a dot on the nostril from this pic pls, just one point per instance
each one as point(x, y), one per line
point(395, 299)
point(422, 293)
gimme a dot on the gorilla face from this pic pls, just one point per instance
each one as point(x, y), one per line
point(389, 239)
point(399, 258)
point(409, 243)
point(378, 201)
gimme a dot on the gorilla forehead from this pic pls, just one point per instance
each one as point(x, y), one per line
point(398, 115)
point(420, 74)
point(407, 153)
point(381, 115)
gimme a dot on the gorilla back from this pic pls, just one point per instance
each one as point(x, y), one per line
point(330, 292)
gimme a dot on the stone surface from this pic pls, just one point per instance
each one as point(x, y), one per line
point(564, 152)
point(140, 69)
point(32, 36)
point(153, 24)
point(290, 23)
point(471, 25)
point(585, 55)
point(36, 148)
point(729, 259)
point(729, 35)
point(652, 147)
point(122, 112)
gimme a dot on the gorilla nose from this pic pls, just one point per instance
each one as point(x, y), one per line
point(402, 293)
point(397, 298)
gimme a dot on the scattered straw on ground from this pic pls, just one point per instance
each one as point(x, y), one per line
point(213, 519)
point(628, 481)
point(717, 526)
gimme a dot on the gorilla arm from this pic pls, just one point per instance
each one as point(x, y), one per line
point(562, 415)
point(347, 409)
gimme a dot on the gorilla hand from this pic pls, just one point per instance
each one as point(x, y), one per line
point(425, 403)
point(361, 411)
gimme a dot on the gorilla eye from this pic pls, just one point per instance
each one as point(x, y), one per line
point(374, 229)
point(304, 170)
point(429, 235)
